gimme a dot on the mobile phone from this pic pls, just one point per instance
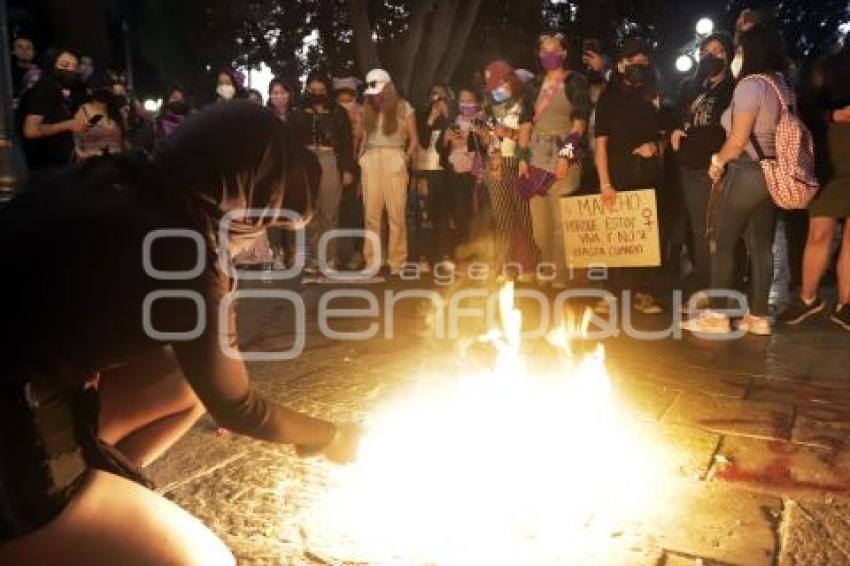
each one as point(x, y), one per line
point(591, 45)
point(95, 119)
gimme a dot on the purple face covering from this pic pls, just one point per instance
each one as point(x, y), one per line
point(467, 110)
point(551, 60)
point(375, 101)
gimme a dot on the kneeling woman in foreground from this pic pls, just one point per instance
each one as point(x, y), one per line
point(111, 343)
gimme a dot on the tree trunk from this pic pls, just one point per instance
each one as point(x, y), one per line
point(441, 32)
point(459, 38)
point(365, 49)
point(416, 29)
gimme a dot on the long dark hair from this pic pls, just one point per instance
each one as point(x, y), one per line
point(763, 50)
point(285, 86)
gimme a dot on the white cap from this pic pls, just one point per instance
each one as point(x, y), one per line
point(376, 80)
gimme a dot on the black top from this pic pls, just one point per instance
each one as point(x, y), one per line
point(332, 129)
point(76, 306)
point(699, 109)
point(626, 118)
point(47, 98)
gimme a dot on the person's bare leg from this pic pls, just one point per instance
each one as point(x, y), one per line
point(816, 255)
point(843, 267)
point(146, 406)
point(112, 520)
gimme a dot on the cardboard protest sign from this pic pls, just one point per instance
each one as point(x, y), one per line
point(625, 235)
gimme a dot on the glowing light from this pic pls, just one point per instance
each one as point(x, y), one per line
point(684, 63)
point(705, 26)
point(507, 465)
point(152, 105)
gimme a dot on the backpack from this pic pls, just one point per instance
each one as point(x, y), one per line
point(790, 174)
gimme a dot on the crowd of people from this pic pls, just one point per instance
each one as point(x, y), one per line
point(493, 158)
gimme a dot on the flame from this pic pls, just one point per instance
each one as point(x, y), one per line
point(503, 466)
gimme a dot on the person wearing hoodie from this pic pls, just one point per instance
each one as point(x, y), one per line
point(102, 377)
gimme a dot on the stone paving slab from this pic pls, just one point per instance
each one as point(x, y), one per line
point(732, 416)
point(783, 468)
point(816, 534)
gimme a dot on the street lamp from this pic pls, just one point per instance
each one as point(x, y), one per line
point(705, 26)
point(12, 170)
point(684, 63)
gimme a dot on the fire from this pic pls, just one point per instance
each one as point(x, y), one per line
point(503, 466)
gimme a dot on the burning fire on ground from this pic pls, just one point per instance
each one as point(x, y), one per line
point(509, 465)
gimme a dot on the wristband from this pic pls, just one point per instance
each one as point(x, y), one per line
point(523, 154)
point(571, 148)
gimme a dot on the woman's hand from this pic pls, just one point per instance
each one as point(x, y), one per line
point(76, 126)
point(341, 448)
point(647, 150)
point(676, 139)
point(842, 115)
point(562, 168)
point(715, 173)
point(347, 178)
point(609, 196)
point(594, 61)
point(345, 445)
point(522, 170)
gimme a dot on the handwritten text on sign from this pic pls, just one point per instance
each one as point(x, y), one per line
point(625, 235)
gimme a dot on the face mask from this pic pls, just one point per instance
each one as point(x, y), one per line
point(347, 105)
point(226, 91)
point(551, 61)
point(636, 74)
point(711, 66)
point(375, 101)
point(316, 99)
point(500, 94)
point(467, 109)
point(66, 78)
point(736, 65)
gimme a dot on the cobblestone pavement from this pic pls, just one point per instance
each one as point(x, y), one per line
point(757, 430)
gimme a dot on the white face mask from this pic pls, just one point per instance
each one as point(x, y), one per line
point(736, 65)
point(226, 91)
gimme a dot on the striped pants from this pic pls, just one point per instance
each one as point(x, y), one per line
point(511, 218)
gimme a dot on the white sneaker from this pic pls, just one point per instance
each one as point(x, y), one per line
point(758, 325)
point(645, 303)
point(708, 322)
point(526, 278)
point(604, 306)
point(700, 301)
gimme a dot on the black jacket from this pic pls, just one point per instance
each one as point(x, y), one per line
point(332, 128)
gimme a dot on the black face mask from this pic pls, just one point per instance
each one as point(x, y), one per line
point(66, 78)
point(316, 99)
point(637, 74)
point(710, 66)
point(178, 107)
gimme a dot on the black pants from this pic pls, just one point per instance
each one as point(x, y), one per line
point(696, 188)
point(459, 204)
point(746, 210)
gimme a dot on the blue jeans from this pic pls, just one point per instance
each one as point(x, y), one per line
point(745, 209)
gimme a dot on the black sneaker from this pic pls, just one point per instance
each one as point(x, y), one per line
point(798, 310)
point(841, 316)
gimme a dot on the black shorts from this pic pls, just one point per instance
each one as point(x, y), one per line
point(47, 449)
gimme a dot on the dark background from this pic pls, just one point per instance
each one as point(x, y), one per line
point(420, 41)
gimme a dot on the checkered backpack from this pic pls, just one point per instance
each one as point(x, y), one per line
point(790, 174)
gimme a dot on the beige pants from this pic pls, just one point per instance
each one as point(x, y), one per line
point(384, 176)
point(546, 222)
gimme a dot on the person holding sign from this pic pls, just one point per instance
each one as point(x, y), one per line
point(628, 152)
point(554, 143)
